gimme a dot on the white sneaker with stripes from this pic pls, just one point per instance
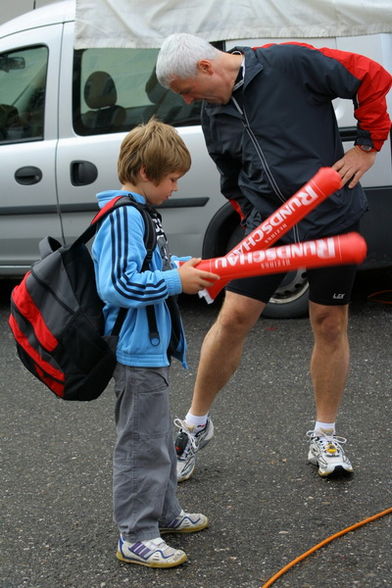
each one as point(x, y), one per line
point(154, 553)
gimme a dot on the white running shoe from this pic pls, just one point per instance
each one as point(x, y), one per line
point(186, 523)
point(153, 553)
point(326, 452)
point(188, 442)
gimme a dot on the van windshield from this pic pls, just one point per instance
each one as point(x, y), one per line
point(117, 89)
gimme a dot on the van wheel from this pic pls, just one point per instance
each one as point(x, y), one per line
point(291, 298)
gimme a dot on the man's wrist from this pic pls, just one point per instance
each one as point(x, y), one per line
point(366, 148)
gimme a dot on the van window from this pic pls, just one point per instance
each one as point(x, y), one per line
point(22, 94)
point(117, 89)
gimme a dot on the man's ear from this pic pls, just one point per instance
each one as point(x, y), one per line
point(205, 66)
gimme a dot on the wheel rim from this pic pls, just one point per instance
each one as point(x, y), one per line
point(292, 288)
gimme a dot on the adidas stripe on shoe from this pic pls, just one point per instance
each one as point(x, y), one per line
point(186, 522)
point(153, 553)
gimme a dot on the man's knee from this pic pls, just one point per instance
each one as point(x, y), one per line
point(329, 322)
point(239, 313)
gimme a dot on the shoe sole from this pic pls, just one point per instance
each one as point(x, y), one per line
point(183, 478)
point(339, 469)
point(120, 557)
point(185, 529)
point(186, 476)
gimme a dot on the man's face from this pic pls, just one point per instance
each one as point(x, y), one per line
point(206, 85)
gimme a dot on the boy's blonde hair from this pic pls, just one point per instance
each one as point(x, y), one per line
point(155, 146)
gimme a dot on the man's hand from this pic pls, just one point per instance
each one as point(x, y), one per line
point(193, 279)
point(354, 164)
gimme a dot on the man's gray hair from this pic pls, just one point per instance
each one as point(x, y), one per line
point(179, 55)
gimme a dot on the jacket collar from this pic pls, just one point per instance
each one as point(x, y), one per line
point(252, 65)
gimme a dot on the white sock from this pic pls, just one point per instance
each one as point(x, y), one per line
point(324, 428)
point(196, 421)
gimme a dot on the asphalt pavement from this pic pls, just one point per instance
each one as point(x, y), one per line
point(265, 503)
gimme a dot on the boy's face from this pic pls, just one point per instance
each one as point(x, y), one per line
point(156, 194)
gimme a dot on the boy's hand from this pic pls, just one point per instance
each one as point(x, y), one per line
point(193, 279)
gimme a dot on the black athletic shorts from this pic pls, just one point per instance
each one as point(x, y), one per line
point(329, 286)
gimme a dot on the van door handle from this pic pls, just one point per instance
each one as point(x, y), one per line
point(83, 173)
point(28, 175)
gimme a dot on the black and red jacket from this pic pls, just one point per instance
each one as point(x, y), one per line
point(280, 128)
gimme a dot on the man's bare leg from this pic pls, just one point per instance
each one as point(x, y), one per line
point(219, 358)
point(222, 347)
point(330, 358)
point(329, 370)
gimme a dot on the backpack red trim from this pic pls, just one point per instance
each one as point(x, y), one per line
point(30, 311)
point(23, 341)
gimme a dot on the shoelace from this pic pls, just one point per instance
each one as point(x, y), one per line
point(328, 441)
point(191, 446)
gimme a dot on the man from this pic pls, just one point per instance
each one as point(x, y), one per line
point(269, 125)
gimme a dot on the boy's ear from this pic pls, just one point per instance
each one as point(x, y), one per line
point(143, 175)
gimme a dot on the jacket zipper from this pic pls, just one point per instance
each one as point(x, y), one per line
point(262, 158)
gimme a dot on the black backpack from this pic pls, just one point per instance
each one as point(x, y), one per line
point(56, 314)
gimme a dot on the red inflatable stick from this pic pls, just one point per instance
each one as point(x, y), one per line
point(324, 183)
point(340, 250)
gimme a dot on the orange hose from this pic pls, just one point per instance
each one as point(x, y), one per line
point(372, 297)
point(324, 542)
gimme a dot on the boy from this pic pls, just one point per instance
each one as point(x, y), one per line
point(152, 159)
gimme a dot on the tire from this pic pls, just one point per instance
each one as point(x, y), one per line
point(218, 238)
point(291, 298)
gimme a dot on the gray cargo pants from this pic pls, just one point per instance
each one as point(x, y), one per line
point(144, 460)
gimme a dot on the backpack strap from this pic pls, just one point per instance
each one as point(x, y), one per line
point(149, 243)
point(119, 321)
point(149, 232)
point(150, 240)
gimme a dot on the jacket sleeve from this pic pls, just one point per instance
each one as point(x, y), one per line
point(223, 136)
point(349, 75)
point(119, 253)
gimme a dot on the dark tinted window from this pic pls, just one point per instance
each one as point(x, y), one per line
point(116, 89)
point(22, 94)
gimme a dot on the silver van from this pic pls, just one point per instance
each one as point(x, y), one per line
point(63, 114)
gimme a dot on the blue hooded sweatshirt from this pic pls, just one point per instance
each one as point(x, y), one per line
point(118, 252)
